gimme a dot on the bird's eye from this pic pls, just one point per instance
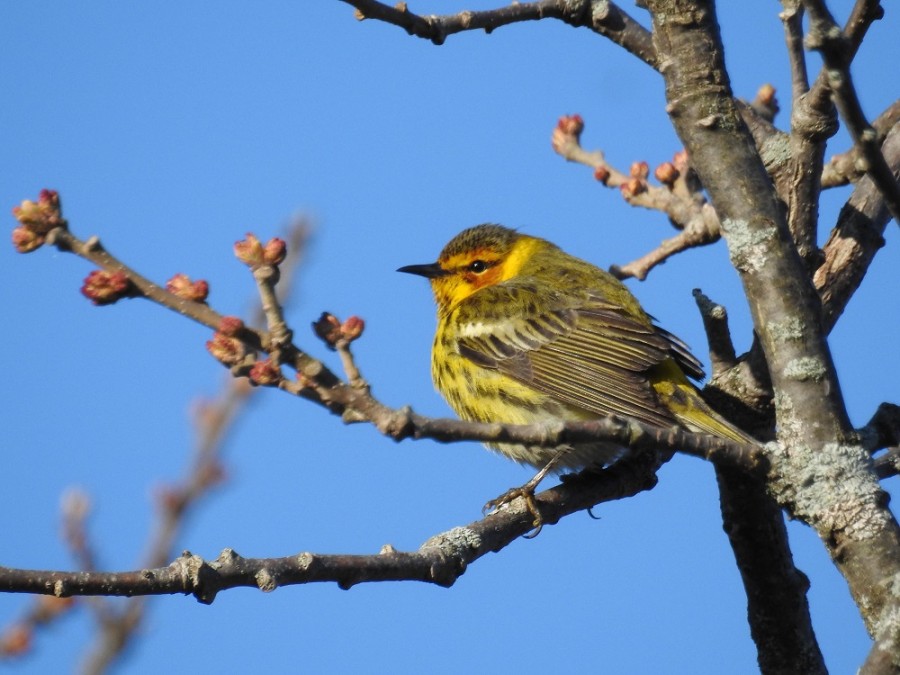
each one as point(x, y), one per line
point(478, 266)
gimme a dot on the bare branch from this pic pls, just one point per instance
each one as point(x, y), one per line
point(888, 464)
point(440, 560)
point(777, 609)
point(213, 420)
point(601, 16)
point(813, 122)
point(826, 37)
point(812, 420)
point(883, 430)
point(680, 197)
point(846, 167)
point(792, 18)
point(856, 238)
point(715, 320)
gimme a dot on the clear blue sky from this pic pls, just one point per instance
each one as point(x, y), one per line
point(170, 130)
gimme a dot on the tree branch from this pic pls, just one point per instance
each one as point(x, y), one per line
point(440, 560)
point(856, 238)
point(816, 466)
point(354, 401)
point(680, 197)
point(213, 420)
point(827, 38)
point(601, 16)
point(846, 167)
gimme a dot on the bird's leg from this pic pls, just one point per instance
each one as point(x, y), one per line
point(526, 492)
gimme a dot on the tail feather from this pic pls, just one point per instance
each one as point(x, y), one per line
point(685, 403)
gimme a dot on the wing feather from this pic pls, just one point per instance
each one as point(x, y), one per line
point(587, 352)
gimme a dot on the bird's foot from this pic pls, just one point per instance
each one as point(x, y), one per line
point(526, 492)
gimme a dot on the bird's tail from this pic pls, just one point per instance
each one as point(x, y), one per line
point(685, 402)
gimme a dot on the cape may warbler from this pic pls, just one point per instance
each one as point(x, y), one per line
point(528, 333)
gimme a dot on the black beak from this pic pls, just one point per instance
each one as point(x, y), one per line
point(429, 271)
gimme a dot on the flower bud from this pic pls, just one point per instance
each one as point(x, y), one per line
point(633, 187)
point(104, 288)
point(16, 640)
point(226, 349)
point(50, 606)
point(571, 125)
point(680, 160)
point(249, 250)
point(182, 286)
point(275, 251)
point(43, 216)
point(171, 499)
point(265, 372)
point(230, 326)
point(601, 173)
point(666, 173)
point(352, 328)
point(766, 94)
point(640, 169)
point(26, 240)
point(328, 329)
point(211, 472)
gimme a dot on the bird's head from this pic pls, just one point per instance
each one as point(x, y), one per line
point(478, 257)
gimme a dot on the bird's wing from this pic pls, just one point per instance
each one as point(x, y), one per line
point(587, 353)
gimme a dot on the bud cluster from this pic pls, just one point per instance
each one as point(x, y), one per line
point(182, 286)
point(331, 331)
point(252, 253)
point(36, 220)
point(225, 346)
point(265, 372)
point(103, 287)
point(568, 130)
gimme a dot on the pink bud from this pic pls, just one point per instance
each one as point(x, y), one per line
point(104, 288)
point(275, 251)
point(230, 326)
point(182, 286)
point(601, 173)
point(26, 240)
point(226, 349)
point(352, 328)
point(666, 173)
point(249, 250)
point(265, 372)
point(633, 187)
point(640, 169)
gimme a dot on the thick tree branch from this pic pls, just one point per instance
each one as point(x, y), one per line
point(777, 609)
point(813, 121)
point(883, 430)
point(601, 16)
point(823, 479)
point(856, 238)
point(888, 464)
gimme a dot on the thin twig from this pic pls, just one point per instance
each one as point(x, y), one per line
point(846, 168)
point(792, 18)
point(680, 197)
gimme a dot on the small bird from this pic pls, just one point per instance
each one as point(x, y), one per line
point(528, 333)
